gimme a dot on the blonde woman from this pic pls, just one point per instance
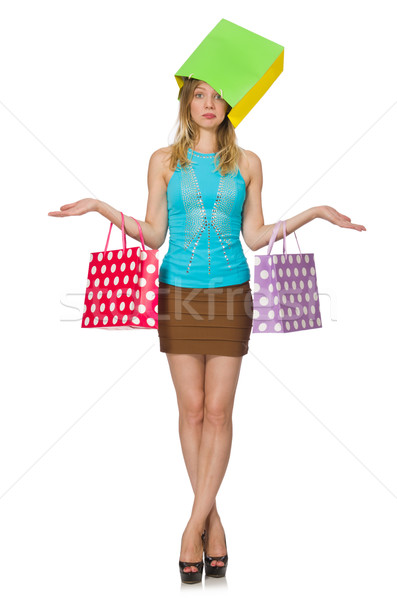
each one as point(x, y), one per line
point(205, 189)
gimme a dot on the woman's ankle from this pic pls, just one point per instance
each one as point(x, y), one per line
point(195, 527)
point(212, 518)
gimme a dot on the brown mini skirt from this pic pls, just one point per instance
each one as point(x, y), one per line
point(205, 320)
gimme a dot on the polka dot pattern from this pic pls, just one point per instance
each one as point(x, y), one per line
point(122, 289)
point(285, 295)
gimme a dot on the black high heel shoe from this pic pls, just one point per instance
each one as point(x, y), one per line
point(214, 571)
point(192, 576)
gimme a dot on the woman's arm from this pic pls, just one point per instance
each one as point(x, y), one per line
point(155, 225)
point(256, 234)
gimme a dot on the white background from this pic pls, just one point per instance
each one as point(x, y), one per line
point(94, 493)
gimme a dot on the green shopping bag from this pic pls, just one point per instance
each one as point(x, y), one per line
point(239, 64)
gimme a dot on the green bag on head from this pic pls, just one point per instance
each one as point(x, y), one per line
point(239, 64)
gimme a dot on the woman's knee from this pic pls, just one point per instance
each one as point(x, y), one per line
point(191, 408)
point(218, 411)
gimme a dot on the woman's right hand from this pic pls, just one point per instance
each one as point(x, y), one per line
point(81, 207)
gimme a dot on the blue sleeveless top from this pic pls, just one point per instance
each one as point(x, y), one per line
point(204, 219)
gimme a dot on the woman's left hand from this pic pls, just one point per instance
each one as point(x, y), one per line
point(333, 216)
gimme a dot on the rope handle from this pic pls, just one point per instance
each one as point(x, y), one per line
point(123, 234)
point(274, 235)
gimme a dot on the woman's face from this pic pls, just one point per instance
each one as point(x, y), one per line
point(206, 101)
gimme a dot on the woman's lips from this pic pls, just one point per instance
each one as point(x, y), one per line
point(209, 116)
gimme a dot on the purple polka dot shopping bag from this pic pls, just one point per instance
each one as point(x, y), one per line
point(285, 290)
point(122, 286)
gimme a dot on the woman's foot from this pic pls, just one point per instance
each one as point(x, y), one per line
point(191, 547)
point(215, 540)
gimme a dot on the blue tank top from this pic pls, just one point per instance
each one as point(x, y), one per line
point(204, 220)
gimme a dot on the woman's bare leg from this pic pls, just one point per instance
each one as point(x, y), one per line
point(220, 383)
point(188, 375)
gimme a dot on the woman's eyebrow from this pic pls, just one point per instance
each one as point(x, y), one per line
point(199, 87)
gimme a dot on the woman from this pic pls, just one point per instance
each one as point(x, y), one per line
point(204, 329)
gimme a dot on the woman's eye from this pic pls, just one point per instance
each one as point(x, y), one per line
point(200, 94)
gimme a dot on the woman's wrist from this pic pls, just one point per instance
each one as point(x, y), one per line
point(318, 212)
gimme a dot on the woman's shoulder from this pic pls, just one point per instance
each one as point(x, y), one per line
point(162, 154)
point(160, 158)
point(250, 157)
point(249, 164)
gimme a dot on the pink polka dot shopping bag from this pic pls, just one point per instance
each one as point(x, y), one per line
point(122, 286)
point(285, 290)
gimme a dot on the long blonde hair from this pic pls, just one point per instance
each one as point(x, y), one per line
point(187, 135)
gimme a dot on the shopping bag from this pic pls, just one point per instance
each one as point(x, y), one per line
point(285, 290)
point(122, 286)
point(238, 63)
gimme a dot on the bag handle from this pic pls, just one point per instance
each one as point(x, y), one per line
point(274, 235)
point(123, 234)
point(140, 233)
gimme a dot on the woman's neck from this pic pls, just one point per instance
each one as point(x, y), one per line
point(207, 143)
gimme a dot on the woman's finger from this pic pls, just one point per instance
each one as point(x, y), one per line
point(66, 206)
point(353, 226)
point(63, 213)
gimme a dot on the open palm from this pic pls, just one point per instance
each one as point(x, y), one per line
point(81, 207)
point(333, 216)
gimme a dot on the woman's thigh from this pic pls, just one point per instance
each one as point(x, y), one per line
point(221, 378)
point(204, 379)
point(188, 376)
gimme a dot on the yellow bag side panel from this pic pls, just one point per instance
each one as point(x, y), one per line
point(242, 108)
